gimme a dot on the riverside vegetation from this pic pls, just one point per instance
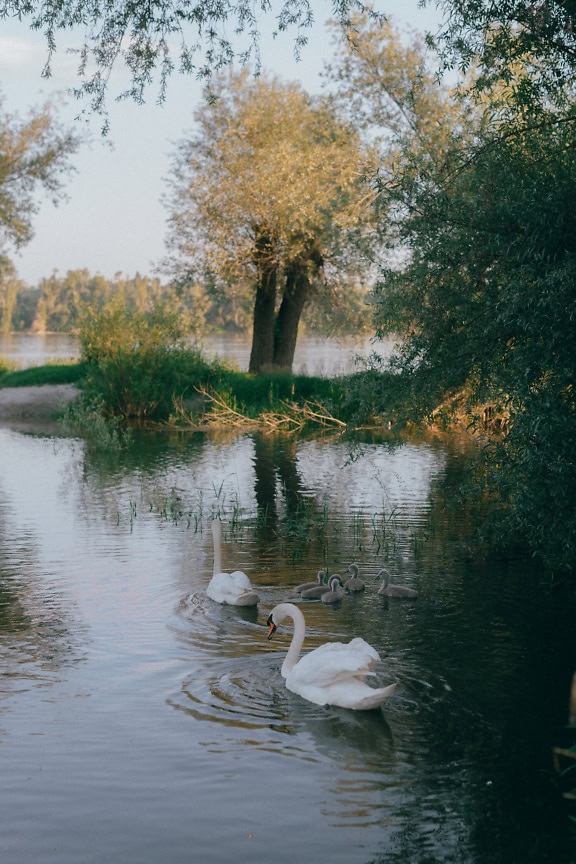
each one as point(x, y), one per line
point(137, 369)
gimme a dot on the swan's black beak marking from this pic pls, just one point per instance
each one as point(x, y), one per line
point(271, 626)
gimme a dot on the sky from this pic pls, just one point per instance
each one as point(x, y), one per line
point(113, 220)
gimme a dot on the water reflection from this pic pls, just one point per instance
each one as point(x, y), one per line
point(166, 710)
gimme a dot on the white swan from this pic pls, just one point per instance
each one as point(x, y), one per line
point(305, 586)
point(354, 584)
point(231, 589)
point(332, 674)
point(388, 590)
point(336, 592)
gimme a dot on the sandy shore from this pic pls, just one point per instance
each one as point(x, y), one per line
point(34, 407)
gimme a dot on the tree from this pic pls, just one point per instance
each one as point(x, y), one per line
point(483, 296)
point(267, 195)
point(10, 286)
point(61, 301)
point(34, 155)
point(501, 37)
point(143, 36)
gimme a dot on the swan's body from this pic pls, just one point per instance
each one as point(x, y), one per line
point(336, 592)
point(388, 590)
point(230, 589)
point(306, 586)
point(353, 585)
point(332, 674)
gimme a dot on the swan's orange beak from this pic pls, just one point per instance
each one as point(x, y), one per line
point(271, 626)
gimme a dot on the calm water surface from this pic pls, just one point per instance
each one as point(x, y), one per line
point(141, 723)
point(314, 356)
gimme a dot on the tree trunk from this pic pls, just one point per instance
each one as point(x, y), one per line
point(262, 353)
point(299, 277)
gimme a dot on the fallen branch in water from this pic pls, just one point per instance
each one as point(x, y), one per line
point(291, 418)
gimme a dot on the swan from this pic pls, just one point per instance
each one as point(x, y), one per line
point(332, 674)
point(354, 584)
point(388, 590)
point(316, 592)
point(305, 586)
point(336, 592)
point(231, 589)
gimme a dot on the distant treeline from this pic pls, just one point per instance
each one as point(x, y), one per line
point(58, 303)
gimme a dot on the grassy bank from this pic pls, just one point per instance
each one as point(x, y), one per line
point(180, 389)
point(36, 376)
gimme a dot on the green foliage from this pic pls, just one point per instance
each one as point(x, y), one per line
point(137, 361)
point(268, 198)
point(34, 154)
point(59, 302)
point(484, 300)
point(51, 373)
point(504, 37)
point(10, 285)
point(88, 418)
point(6, 366)
point(254, 394)
point(141, 37)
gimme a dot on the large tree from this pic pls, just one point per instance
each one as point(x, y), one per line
point(484, 295)
point(269, 192)
point(34, 157)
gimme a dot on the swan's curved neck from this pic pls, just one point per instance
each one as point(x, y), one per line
point(289, 610)
point(217, 539)
point(385, 579)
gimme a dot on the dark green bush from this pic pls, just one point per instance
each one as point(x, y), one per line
point(138, 364)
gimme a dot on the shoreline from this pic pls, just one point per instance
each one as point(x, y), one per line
point(37, 406)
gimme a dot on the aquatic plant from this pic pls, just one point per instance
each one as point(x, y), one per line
point(86, 417)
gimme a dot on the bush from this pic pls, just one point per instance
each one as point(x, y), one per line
point(137, 362)
point(6, 366)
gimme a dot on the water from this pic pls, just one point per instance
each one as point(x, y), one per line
point(140, 722)
point(314, 356)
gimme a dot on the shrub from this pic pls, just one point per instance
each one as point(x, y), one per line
point(138, 363)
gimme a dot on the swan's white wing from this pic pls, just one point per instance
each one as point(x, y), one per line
point(334, 662)
point(241, 580)
point(334, 675)
point(228, 588)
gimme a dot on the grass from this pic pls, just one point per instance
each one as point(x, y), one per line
point(187, 392)
point(52, 373)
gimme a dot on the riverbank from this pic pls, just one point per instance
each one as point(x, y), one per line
point(35, 408)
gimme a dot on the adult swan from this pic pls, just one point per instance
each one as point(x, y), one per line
point(230, 589)
point(332, 674)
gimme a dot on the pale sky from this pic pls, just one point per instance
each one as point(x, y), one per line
point(113, 221)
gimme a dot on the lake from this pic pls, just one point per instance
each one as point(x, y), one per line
point(313, 356)
point(141, 723)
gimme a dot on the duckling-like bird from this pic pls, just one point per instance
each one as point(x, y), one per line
point(353, 585)
point(316, 592)
point(332, 674)
point(336, 592)
point(389, 590)
point(305, 586)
